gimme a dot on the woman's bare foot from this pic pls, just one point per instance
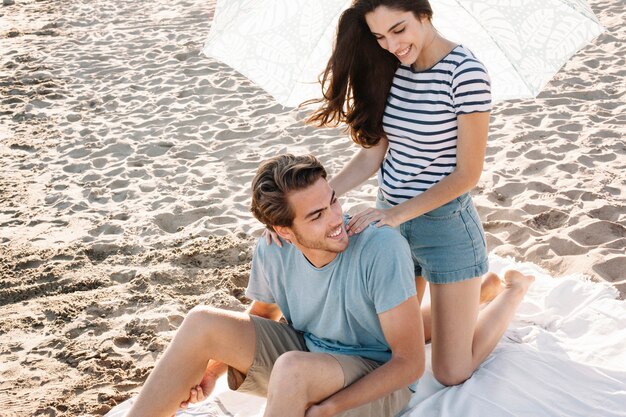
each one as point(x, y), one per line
point(515, 280)
point(490, 287)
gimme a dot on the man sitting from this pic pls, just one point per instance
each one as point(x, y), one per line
point(353, 338)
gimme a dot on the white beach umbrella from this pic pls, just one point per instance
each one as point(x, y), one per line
point(283, 45)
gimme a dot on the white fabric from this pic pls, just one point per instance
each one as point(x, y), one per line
point(564, 354)
point(283, 45)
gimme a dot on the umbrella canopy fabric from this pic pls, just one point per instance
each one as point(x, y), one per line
point(283, 45)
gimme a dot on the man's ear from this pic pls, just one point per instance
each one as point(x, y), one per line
point(284, 232)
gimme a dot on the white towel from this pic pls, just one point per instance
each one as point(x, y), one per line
point(564, 354)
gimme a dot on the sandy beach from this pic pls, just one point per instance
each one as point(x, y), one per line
point(126, 158)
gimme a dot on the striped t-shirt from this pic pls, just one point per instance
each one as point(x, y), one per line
point(420, 121)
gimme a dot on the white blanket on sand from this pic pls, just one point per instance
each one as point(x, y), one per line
point(564, 354)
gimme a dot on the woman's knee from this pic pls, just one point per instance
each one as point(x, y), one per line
point(449, 376)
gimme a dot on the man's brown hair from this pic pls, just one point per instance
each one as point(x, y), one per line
point(275, 179)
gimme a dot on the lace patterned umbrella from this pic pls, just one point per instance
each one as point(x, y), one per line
point(283, 45)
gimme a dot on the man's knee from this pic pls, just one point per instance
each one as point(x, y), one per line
point(289, 369)
point(201, 320)
point(200, 314)
point(290, 363)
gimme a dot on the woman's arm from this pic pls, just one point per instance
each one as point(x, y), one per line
point(362, 166)
point(471, 145)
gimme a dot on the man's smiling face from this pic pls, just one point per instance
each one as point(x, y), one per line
point(318, 229)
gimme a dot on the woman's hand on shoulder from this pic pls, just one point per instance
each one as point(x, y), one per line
point(272, 236)
point(382, 217)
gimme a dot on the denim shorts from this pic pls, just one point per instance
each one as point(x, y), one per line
point(447, 243)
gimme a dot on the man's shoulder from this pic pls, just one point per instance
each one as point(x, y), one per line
point(264, 250)
point(377, 238)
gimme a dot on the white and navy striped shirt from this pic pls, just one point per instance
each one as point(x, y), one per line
point(420, 121)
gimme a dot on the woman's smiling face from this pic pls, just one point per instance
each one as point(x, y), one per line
point(398, 32)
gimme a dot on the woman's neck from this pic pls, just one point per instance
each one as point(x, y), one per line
point(433, 51)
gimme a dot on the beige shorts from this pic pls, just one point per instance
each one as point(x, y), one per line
point(273, 339)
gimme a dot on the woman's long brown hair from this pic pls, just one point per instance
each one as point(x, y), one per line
point(358, 76)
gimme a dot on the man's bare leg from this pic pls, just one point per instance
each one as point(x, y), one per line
point(299, 380)
point(206, 333)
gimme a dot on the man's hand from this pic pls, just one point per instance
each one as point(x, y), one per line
point(319, 410)
point(201, 391)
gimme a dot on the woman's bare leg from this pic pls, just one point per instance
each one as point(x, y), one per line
point(463, 335)
point(490, 287)
point(420, 286)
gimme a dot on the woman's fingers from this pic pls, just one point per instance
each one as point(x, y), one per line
point(271, 236)
point(357, 218)
point(382, 222)
point(267, 236)
point(359, 222)
point(276, 239)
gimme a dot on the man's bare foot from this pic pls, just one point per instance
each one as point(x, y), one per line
point(516, 280)
point(490, 287)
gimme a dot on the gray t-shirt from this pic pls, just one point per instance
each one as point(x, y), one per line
point(336, 306)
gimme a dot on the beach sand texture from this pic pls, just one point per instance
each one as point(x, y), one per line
point(126, 159)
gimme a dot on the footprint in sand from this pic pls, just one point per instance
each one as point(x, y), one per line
point(124, 342)
point(586, 161)
point(123, 276)
point(160, 173)
point(154, 150)
point(551, 219)
point(119, 196)
point(137, 173)
point(183, 56)
point(99, 163)
point(608, 213)
point(116, 150)
point(106, 229)
point(172, 223)
point(115, 172)
point(540, 155)
point(78, 153)
point(76, 168)
point(612, 269)
point(52, 198)
point(565, 247)
point(91, 177)
point(97, 195)
point(147, 186)
point(568, 167)
point(536, 168)
point(598, 233)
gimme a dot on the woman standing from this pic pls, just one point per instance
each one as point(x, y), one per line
point(419, 105)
